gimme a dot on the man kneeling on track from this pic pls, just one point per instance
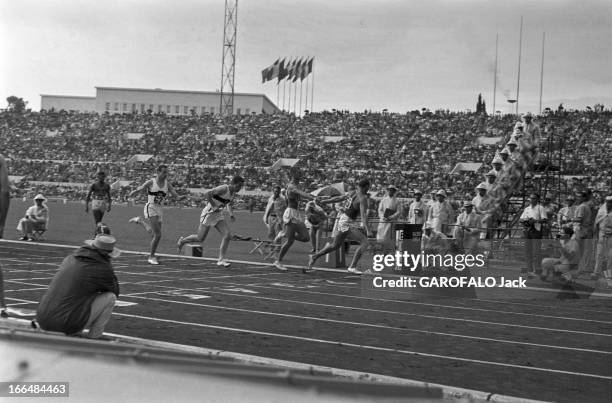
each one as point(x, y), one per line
point(83, 292)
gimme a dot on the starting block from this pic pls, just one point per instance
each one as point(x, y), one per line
point(267, 249)
point(192, 249)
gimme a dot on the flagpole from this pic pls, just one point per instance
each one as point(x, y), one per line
point(306, 101)
point(277, 93)
point(495, 74)
point(542, 71)
point(284, 88)
point(301, 82)
point(294, 96)
point(518, 79)
point(289, 100)
point(312, 87)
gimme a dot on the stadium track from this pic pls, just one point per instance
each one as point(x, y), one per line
point(543, 349)
point(539, 350)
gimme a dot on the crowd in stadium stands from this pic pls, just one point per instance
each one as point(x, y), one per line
point(416, 150)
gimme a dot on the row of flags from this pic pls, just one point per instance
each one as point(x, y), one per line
point(291, 70)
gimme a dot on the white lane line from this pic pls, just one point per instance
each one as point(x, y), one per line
point(382, 311)
point(450, 391)
point(345, 322)
point(27, 279)
point(26, 289)
point(367, 347)
point(255, 264)
point(293, 290)
point(24, 301)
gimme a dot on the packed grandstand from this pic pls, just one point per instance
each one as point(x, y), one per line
point(58, 153)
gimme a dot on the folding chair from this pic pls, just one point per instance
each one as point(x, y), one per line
point(38, 233)
point(265, 248)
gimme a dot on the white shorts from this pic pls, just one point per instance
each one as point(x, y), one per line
point(153, 210)
point(211, 216)
point(345, 223)
point(98, 204)
point(292, 215)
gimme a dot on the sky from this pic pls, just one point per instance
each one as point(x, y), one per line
point(398, 55)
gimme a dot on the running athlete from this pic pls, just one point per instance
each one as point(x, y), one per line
point(214, 215)
point(348, 226)
point(273, 216)
point(295, 229)
point(157, 189)
point(101, 203)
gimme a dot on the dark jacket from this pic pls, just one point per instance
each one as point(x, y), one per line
point(66, 305)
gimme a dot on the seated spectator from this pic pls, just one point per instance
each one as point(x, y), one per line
point(83, 292)
point(35, 220)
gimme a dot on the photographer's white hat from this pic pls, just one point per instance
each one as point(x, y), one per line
point(105, 243)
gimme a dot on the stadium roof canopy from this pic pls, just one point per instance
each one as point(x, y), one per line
point(224, 137)
point(285, 162)
point(332, 139)
point(121, 184)
point(139, 158)
point(15, 179)
point(134, 136)
point(466, 166)
point(488, 140)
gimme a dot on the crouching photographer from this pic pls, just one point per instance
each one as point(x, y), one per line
point(564, 267)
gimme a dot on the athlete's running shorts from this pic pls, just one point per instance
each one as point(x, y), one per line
point(153, 210)
point(212, 216)
point(346, 224)
point(98, 204)
point(292, 215)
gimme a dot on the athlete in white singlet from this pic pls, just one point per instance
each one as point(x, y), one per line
point(157, 189)
point(214, 215)
point(295, 228)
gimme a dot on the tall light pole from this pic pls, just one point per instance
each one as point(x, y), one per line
point(228, 61)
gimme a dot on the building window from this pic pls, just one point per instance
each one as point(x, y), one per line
point(160, 108)
point(203, 110)
point(142, 108)
point(238, 111)
point(124, 107)
point(212, 110)
point(116, 106)
point(107, 106)
point(177, 109)
point(247, 111)
point(151, 108)
point(133, 107)
point(168, 109)
point(186, 110)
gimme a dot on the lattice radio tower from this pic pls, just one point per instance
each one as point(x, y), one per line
point(228, 62)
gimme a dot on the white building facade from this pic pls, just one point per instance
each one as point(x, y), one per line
point(171, 102)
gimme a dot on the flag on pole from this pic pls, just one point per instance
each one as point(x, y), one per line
point(290, 70)
point(275, 69)
point(310, 65)
point(282, 71)
point(305, 71)
point(297, 72)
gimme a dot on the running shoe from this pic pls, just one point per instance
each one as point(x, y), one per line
point(4, 313)
point(24, 238)
point(354, 270)
point(223, 262)
point(279, 266)
point(279, 237)
point(153, 260)
point(135, 220)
